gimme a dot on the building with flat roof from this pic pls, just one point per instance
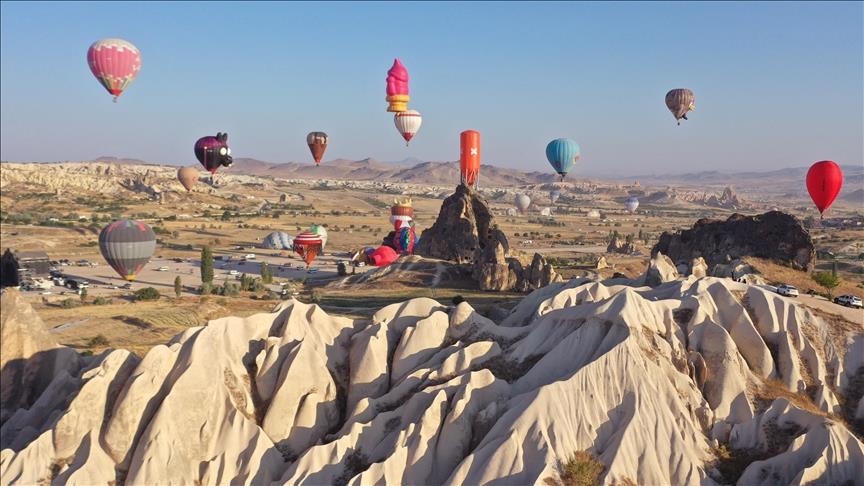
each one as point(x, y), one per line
point(16, 264)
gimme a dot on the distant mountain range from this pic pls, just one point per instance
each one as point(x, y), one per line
point(413, 170)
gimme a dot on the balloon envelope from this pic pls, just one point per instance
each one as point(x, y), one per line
point(115, 63)
point(562, 153)
point(824, 181)
point(408, 123)
point(127, 246)
point(317, 142)
point(279, 240)
point(187, 176)
point(522, 202)
point(321, 232)
point(213, 152)
point(680, 101)
point(383, 255)
point(469, 157)
point(631, 203)
point(307, 245)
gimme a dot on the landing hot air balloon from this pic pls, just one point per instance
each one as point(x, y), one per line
point(469, 157)
point(405, 239)
point(278, 240)
point(680, 101)
point(307, 244)
point(554, 194)
point(115, 63)
point(631, 204)
point(522, 202)
point(317, 142)
point(408, 123)
point(562, 153)
point(213, 152)
point(401, 211)
point(824, 181)
point(321, 232)
point(127, 246)
point(397, 88)
point(187, 176)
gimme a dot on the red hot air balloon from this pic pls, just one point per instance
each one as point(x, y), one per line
point(824, 180)
point(469, 158)
point(115, 63)
point(307, 244)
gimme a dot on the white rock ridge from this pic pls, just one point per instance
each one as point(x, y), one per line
point(654, 382)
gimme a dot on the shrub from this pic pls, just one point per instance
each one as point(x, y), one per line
point(582, 469)
point(101, 300)
point(147, 293)
point(98, 340)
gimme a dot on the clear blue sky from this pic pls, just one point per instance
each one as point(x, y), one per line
point(777, 84)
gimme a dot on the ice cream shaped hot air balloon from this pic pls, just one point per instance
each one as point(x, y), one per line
point(213, 152)
point(307, 244)
point(397, 88)
point(401, 211)
point(408, 123)
point(127, 246)
point(469, 157)
point(317, 142)
point(115, 63)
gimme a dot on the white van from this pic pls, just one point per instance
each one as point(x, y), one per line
point(249, 256)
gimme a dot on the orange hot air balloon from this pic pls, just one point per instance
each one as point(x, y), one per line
point(317, 142)
point(469, 158)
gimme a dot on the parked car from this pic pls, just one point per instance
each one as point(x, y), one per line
point(162, 269)
point(126, 286)
point(848, 301)
point(787, 290)
point(233, 272)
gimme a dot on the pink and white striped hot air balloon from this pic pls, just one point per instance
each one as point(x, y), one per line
point(115, 63)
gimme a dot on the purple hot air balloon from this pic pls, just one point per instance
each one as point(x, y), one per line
point(213, 152)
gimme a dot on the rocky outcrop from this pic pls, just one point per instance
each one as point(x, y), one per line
point(424, 393)
point(620, 245)
point(660, 270)
point(464, 226)
point(773, 235)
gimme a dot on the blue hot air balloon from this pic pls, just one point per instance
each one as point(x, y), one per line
point(562, 153)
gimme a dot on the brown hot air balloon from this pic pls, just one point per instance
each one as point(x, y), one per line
point(317, 142)
point(680, 101)
point(187, 176)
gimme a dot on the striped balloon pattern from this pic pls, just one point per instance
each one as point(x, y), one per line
point(680, 101)
point(127, 246)
point(115, 63)
point(307, 244)
point(279, 240)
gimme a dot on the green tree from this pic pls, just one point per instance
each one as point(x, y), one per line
point(147, 293)
point(178, 286)
point(827, 280)
point(83, 294)
point(206, 265)
point(266, 273)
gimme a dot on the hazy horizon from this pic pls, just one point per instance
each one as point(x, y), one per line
point(777, 85)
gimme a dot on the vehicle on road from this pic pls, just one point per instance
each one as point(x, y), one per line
point(849, 301)
point(787, 290)
point(126, 286)
point(233, 272)
point(162, 269)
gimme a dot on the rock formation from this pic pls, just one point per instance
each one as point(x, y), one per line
point(650, 381)
point(465, 232)
point(620, 245)
point(773, 235)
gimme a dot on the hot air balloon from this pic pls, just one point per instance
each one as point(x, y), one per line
point(408, 123)
point(522, 202)
point(397, 88)
point(321, 232)
point(115, 63)
point(187, 176)
point(469, 157)
point(213, 152)
point(824, 180)
point(562, 153)
point(680, 101)
point(307, 244)
point(405, 239)
point(317, 142)
point(554, 194)
point(400, 211)
point(278, 240)
point(631, 204)
point(127, 246)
